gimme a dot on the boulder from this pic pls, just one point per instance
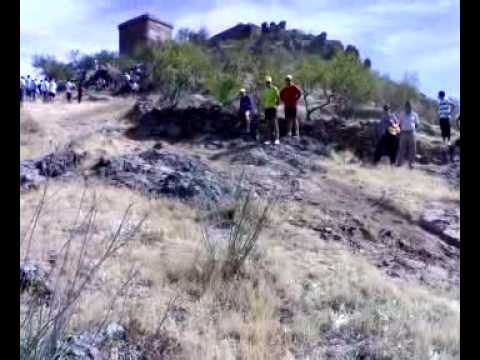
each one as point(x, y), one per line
point(33, 280)
point(159, 172)
point(445, 223)
point(61, 163)
point(194, 115)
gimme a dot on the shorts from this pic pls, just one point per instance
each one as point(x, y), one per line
point(270, 114)
point(445, 127)
point(290, 113)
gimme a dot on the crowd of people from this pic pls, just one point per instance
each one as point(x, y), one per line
point(46, 89)
point(396, 133)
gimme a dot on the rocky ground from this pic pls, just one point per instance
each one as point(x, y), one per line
point(357, 263)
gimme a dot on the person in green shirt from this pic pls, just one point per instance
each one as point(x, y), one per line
point(270, 101)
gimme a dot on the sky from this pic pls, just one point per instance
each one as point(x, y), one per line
point(399, 36)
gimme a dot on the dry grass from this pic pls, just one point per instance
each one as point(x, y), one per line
point(336, 292)
point(403, 190)
point(326, 290)
point(61, 123)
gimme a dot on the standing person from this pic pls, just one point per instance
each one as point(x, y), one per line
point(388, 131)
point(290, 95)
point(247, 110)
point(45, 88)
point(80, 91)
point(69, 88)
point(409, 122)
point(270, 100)
point(27, 87)
point(445, 112)
point(33, 89)
point(52, 90)
point(22, 90)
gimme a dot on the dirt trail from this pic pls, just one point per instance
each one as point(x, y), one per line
point(62, 123)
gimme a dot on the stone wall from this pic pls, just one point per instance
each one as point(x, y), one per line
point(142, 32)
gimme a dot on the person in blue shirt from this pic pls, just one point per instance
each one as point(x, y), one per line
point(247, 109)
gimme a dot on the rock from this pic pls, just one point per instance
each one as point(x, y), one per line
point(61, 163)
point(256, 157)
point(444, 223)
point(195, 115)
point(34, 281)
point(160, 172)
point(115, 332)
point(84, 346)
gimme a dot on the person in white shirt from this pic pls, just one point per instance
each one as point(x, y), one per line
point(409, 122)
point(52, 90)
point(69, 89)
point(135, 87)
point(446, 109)
point(33, 89)
point(45, 88)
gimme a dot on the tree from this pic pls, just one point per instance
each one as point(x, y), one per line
point(183, 35)
point(176, 69)
point(342, 81)
point(50, 67)
point(312, 75)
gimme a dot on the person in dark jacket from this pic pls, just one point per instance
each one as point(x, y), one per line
point(388, 131)
point(247, 109)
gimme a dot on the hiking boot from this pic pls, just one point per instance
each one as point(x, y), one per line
point(267, 142)
point(277, 142)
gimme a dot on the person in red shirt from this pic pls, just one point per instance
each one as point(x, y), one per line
point(290, 95)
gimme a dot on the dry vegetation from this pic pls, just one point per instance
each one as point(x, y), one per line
point(293, 295)
point(400, 189)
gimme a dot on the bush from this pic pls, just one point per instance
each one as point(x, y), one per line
point(176, 68)
point(246, 218)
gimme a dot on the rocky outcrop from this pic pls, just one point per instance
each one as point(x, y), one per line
point(193, 116)
point(442, 222)
point(53, 165)
point(238, 32)
point(119, 344)
point(157, 172)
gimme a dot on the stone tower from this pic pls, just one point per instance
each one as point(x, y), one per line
point(144, 30)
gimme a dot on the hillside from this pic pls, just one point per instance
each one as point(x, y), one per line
point(350, 262)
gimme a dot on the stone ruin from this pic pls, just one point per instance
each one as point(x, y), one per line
point(144, 30)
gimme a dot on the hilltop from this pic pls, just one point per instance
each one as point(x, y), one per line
point(271, 35)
